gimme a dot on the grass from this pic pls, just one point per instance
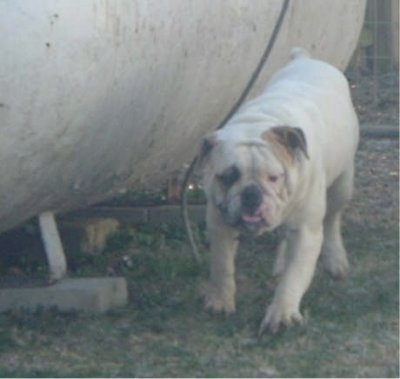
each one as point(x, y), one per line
point(351, 328)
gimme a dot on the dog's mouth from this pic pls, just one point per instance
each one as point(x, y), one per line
point(252, 219)
point(253, 222)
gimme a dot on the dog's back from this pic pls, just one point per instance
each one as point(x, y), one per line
point(305, 70)
point(314, 96)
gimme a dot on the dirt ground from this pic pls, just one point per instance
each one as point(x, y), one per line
point(376, 192)
point(376, 100)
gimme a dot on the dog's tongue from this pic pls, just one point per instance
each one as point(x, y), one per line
point(251, 219)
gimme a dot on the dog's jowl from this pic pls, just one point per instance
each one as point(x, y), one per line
point(285, 159)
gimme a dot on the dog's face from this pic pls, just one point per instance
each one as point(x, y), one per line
point(249, 176)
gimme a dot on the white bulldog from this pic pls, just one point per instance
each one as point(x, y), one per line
point(286, 158)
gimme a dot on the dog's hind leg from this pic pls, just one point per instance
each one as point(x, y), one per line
point(333, 255)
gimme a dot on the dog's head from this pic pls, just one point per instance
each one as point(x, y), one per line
point(249, 175)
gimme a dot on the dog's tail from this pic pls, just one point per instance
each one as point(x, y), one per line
point(299, 52)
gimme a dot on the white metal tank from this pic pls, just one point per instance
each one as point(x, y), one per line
point(101, 95)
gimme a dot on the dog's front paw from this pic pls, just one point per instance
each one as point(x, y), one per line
point(279, 315)
point(217, 299)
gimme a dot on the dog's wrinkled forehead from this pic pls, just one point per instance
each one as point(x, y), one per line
point(254, 149)
point(247, 159)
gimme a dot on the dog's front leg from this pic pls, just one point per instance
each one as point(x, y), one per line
point(304, 246)
point(220, 291)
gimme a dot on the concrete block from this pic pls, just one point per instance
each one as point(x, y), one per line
point(81, 294)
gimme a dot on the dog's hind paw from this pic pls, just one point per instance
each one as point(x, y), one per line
point(276, 317)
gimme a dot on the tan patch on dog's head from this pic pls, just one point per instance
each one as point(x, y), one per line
point(279, 150)
point(287, 143)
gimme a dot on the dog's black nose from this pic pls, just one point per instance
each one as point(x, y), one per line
point(251, 198)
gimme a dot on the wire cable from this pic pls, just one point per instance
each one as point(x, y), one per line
point(236, 106)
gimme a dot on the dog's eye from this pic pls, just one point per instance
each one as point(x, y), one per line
point(273, 178)
point(229, 176)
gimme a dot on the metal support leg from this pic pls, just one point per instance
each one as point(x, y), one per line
point(53, 246)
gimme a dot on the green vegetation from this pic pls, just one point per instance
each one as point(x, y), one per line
point(351, 329)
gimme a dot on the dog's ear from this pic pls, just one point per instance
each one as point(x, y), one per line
point(291, 138)
point(208, 144)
